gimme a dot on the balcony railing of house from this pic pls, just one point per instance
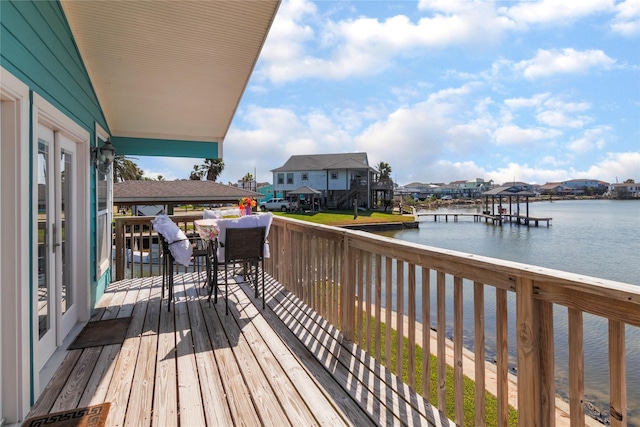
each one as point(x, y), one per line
point(367, 285)
point(138, 248)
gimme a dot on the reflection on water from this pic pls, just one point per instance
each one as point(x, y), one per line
point(599, 238)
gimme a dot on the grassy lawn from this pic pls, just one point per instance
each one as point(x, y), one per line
point(491, 407)
point(346, 217)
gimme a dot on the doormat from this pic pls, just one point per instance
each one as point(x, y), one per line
point(102, 332)
point(91, 416)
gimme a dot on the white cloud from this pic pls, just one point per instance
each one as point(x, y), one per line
point(566, 61)
point(531, 102)
point(560, 119)
point(338, 49)
point(621, 166)
point(627, 19)
point(590, 139)
point(554, 11)
point(551, 161)
point(551, 110)
point(516, 135)
point(287, 36)
point(444, 170)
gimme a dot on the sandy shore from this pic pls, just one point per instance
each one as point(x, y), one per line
point(491, 375)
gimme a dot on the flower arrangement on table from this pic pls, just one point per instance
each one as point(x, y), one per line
point(247, 204)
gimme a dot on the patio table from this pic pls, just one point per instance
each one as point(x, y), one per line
point(208, 231)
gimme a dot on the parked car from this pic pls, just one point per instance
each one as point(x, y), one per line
point(447, 197)
point(277, 204)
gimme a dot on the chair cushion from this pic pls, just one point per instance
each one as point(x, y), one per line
point(209, 214)
point(179, 245)
point(257, 220)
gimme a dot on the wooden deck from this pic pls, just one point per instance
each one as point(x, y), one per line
point(194, 366)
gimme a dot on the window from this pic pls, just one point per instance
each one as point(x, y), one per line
point(305, 176)
point(290, 178)
point(334, 175)
point(280, 178)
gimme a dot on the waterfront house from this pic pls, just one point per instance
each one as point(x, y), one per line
point(474, 187)
point(586, 186)
point(150, 78)
point(164, 78)
point(519, 184)
point(553, 188)
point(626, 190)
point(342, 178)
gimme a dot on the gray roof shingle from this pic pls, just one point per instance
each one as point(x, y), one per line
point(186, 191)
point(318, 162)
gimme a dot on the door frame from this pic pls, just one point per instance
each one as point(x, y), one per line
point(15, 223)
point(46, 114)
point(60, 253)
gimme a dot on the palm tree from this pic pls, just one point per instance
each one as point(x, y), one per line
point(213, 168)
point(248, 178)
point(125, 170)
point(197, 173)
point(384, 169)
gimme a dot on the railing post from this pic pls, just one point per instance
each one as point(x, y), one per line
point(547, 363)
point(347, 290)
point(120, 249)
point(527, 337)
point(287, 261)
point(617, 373)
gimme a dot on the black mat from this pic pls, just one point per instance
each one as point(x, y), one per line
point(103, 332)
point(92, 416)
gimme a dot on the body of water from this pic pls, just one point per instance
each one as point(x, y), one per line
point(599, 238)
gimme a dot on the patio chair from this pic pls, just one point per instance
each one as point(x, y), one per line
point(241, 241)
point(175, 247)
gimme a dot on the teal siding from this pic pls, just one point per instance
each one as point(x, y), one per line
point(36, 45)
point(165, 147)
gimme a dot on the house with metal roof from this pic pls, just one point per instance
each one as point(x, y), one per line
point(79, 79)
point(342, 178)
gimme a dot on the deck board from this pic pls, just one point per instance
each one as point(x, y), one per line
point(194, 365)
point(319, 405)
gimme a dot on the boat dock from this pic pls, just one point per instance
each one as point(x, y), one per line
point(529, 221)
point(495, 211)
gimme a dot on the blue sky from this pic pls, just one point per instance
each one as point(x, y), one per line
point(443, 90)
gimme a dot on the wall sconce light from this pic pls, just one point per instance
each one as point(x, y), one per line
point(102, 157)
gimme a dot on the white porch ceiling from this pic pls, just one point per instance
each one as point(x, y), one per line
point(170, 69)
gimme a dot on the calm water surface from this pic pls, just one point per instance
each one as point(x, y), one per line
point(599, 238)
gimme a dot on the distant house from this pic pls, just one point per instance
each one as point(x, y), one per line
point(341, 178)
point(625, 190)
point(575, 187)
point(587, 187)
point(418, 190)
point(475, 187)
point(266, 189)
point(523, 185)
point(553, 188)
point(472, 188)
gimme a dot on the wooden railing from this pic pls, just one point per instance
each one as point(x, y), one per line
point(360, 282)
point(137, 245)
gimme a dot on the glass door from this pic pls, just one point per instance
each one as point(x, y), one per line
point(56, 296)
